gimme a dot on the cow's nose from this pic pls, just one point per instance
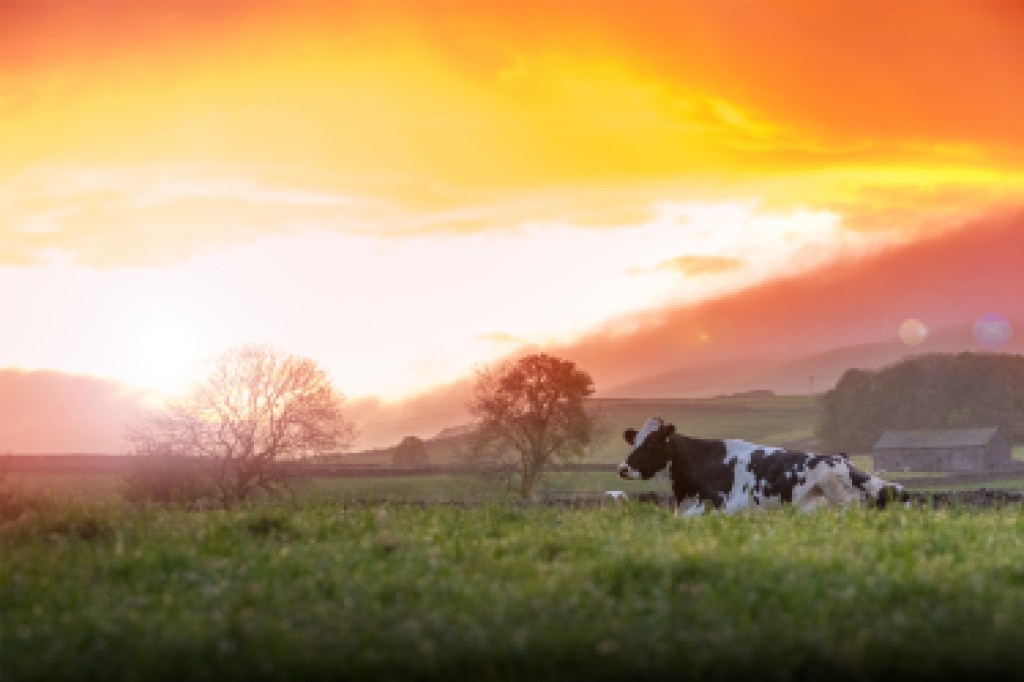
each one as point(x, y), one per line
point(623, 470)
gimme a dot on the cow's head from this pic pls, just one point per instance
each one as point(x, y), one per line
point(651, 449)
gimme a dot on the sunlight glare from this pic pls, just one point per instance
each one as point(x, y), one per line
point(165, 353)
point(913, 332)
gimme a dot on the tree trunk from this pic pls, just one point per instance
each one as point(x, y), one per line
point(531, 470)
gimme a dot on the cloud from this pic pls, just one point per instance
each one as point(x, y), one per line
point(115, 215)
point(355, 300)
point(947, 281)
point(501, 338)
point(183, 136)
point(782, 332)
point(924, 207)
point(53, 412)
point(695, 266)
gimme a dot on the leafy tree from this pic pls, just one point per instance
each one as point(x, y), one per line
point(411, 452)
point(924, 392)
point(532, 411)
point(257, 409)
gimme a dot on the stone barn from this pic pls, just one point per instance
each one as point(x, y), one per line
point(948, 450)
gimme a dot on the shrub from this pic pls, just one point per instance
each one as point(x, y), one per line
point(15, 502)
point(411, 452)
point(169, 480)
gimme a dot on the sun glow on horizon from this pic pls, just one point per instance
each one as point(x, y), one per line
point(390, 318)
point(164, 353)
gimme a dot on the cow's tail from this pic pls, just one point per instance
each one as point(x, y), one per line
point(889, 493)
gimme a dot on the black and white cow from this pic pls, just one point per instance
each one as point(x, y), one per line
point(733, 475)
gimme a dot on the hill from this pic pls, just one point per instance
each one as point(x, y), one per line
point(935, 391)
point(812, 371)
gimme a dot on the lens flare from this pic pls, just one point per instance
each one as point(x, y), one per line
point(992, 329)
point(913, 332)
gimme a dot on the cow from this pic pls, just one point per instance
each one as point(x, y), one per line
point(734, 475)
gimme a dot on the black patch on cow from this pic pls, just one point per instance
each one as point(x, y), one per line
point(699, 469)
point(884, 496)
point(697, 465)
point(814, 461)
point(778, 473)
point(859, 478)
point(891, 493)
point(654, 453)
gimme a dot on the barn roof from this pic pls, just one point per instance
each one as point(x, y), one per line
point(936, 439)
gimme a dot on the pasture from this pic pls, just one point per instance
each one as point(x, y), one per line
point(467, 487)
point(326, 589)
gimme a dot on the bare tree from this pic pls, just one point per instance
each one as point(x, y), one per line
point(257, 408)
point(532, 409)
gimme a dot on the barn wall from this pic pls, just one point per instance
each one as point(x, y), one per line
point(936, 459)
point(995, 454)
point(1000, 452)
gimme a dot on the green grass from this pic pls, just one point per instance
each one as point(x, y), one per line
point(431, 488)
point(468, 487)
point(328, 590)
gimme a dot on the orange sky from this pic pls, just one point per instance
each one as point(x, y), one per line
point(404, 190)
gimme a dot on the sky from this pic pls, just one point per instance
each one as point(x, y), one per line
point(404, 191)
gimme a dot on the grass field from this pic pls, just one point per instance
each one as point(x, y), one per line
point(324, 590)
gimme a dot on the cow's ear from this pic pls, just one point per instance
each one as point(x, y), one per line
point(668, 430)
point(630, 436)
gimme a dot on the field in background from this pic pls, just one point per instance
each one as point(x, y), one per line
point(759, 416)
point(472, 487)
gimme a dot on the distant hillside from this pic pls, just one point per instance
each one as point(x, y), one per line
point(935, 391)
point(812, 372)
